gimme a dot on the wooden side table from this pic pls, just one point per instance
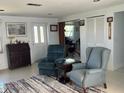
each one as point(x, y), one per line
point(63, 67)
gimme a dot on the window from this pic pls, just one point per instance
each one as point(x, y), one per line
point(41, 34)
point(38, 34)
point(69, 30)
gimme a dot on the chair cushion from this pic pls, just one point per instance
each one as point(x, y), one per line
point(95, 58)
point(77, 76)
point(53, 56)
point(55, 52)
point(46, 65)
point(48, 72)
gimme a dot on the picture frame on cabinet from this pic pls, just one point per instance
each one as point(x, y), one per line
point(16, 29)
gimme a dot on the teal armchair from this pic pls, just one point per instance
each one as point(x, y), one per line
point(47, 65)
point(93, 72)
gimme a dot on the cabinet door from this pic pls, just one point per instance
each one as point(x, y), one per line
point(90, 33)
point(100, 31)
point(95, 31)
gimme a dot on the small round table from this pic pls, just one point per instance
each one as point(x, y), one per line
point(63, 66)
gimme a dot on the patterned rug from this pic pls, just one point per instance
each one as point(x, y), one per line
point(39, 84)
point(36, 84)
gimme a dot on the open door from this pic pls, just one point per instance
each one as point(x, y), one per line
point(69, 36)
point(72, 39)
point(61, 33)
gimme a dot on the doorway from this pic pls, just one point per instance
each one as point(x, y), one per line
point(72, 39)
point(39, 41)
point(118, 40)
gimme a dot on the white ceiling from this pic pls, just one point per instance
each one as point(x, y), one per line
point(58, 8)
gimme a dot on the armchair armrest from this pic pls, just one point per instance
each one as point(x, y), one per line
point(44, 63)
point(93, 71)
point(78, 66)
point(59, 60)
point(44, 60)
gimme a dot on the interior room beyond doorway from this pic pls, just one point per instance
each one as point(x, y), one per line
point(72, 39)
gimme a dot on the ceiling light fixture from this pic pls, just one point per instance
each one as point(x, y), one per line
point(31, 4)
point(96, 0)
point(50, 14)
point(2, 10)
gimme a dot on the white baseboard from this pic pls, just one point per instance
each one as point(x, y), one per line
point(2, 67)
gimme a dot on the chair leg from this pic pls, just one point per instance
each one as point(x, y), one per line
point(105, 85)
point(70, 82)
point(84, 90)
point(96, 90)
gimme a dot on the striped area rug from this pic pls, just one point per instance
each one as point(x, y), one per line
point(41, 84)
point(37, 84)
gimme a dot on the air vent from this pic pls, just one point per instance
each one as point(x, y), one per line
point(50, 14)
point(2, 10)
point(31, 4)
point(96, 0)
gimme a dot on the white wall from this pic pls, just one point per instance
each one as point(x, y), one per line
point(118, 48)
point(52, 36)
point(94, 33)
point(108, 12)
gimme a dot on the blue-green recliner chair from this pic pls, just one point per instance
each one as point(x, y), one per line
point(47, 65)
point(93, 72)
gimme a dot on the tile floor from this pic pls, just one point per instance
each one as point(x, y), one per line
point(115, 79)
point(19, 73)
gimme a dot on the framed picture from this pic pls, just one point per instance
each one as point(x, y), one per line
point(109, 19)
point(82, 22)
point(109, 30)
point(16, 29)
point(53, 28)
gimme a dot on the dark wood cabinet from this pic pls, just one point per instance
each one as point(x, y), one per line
point(18, 55)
